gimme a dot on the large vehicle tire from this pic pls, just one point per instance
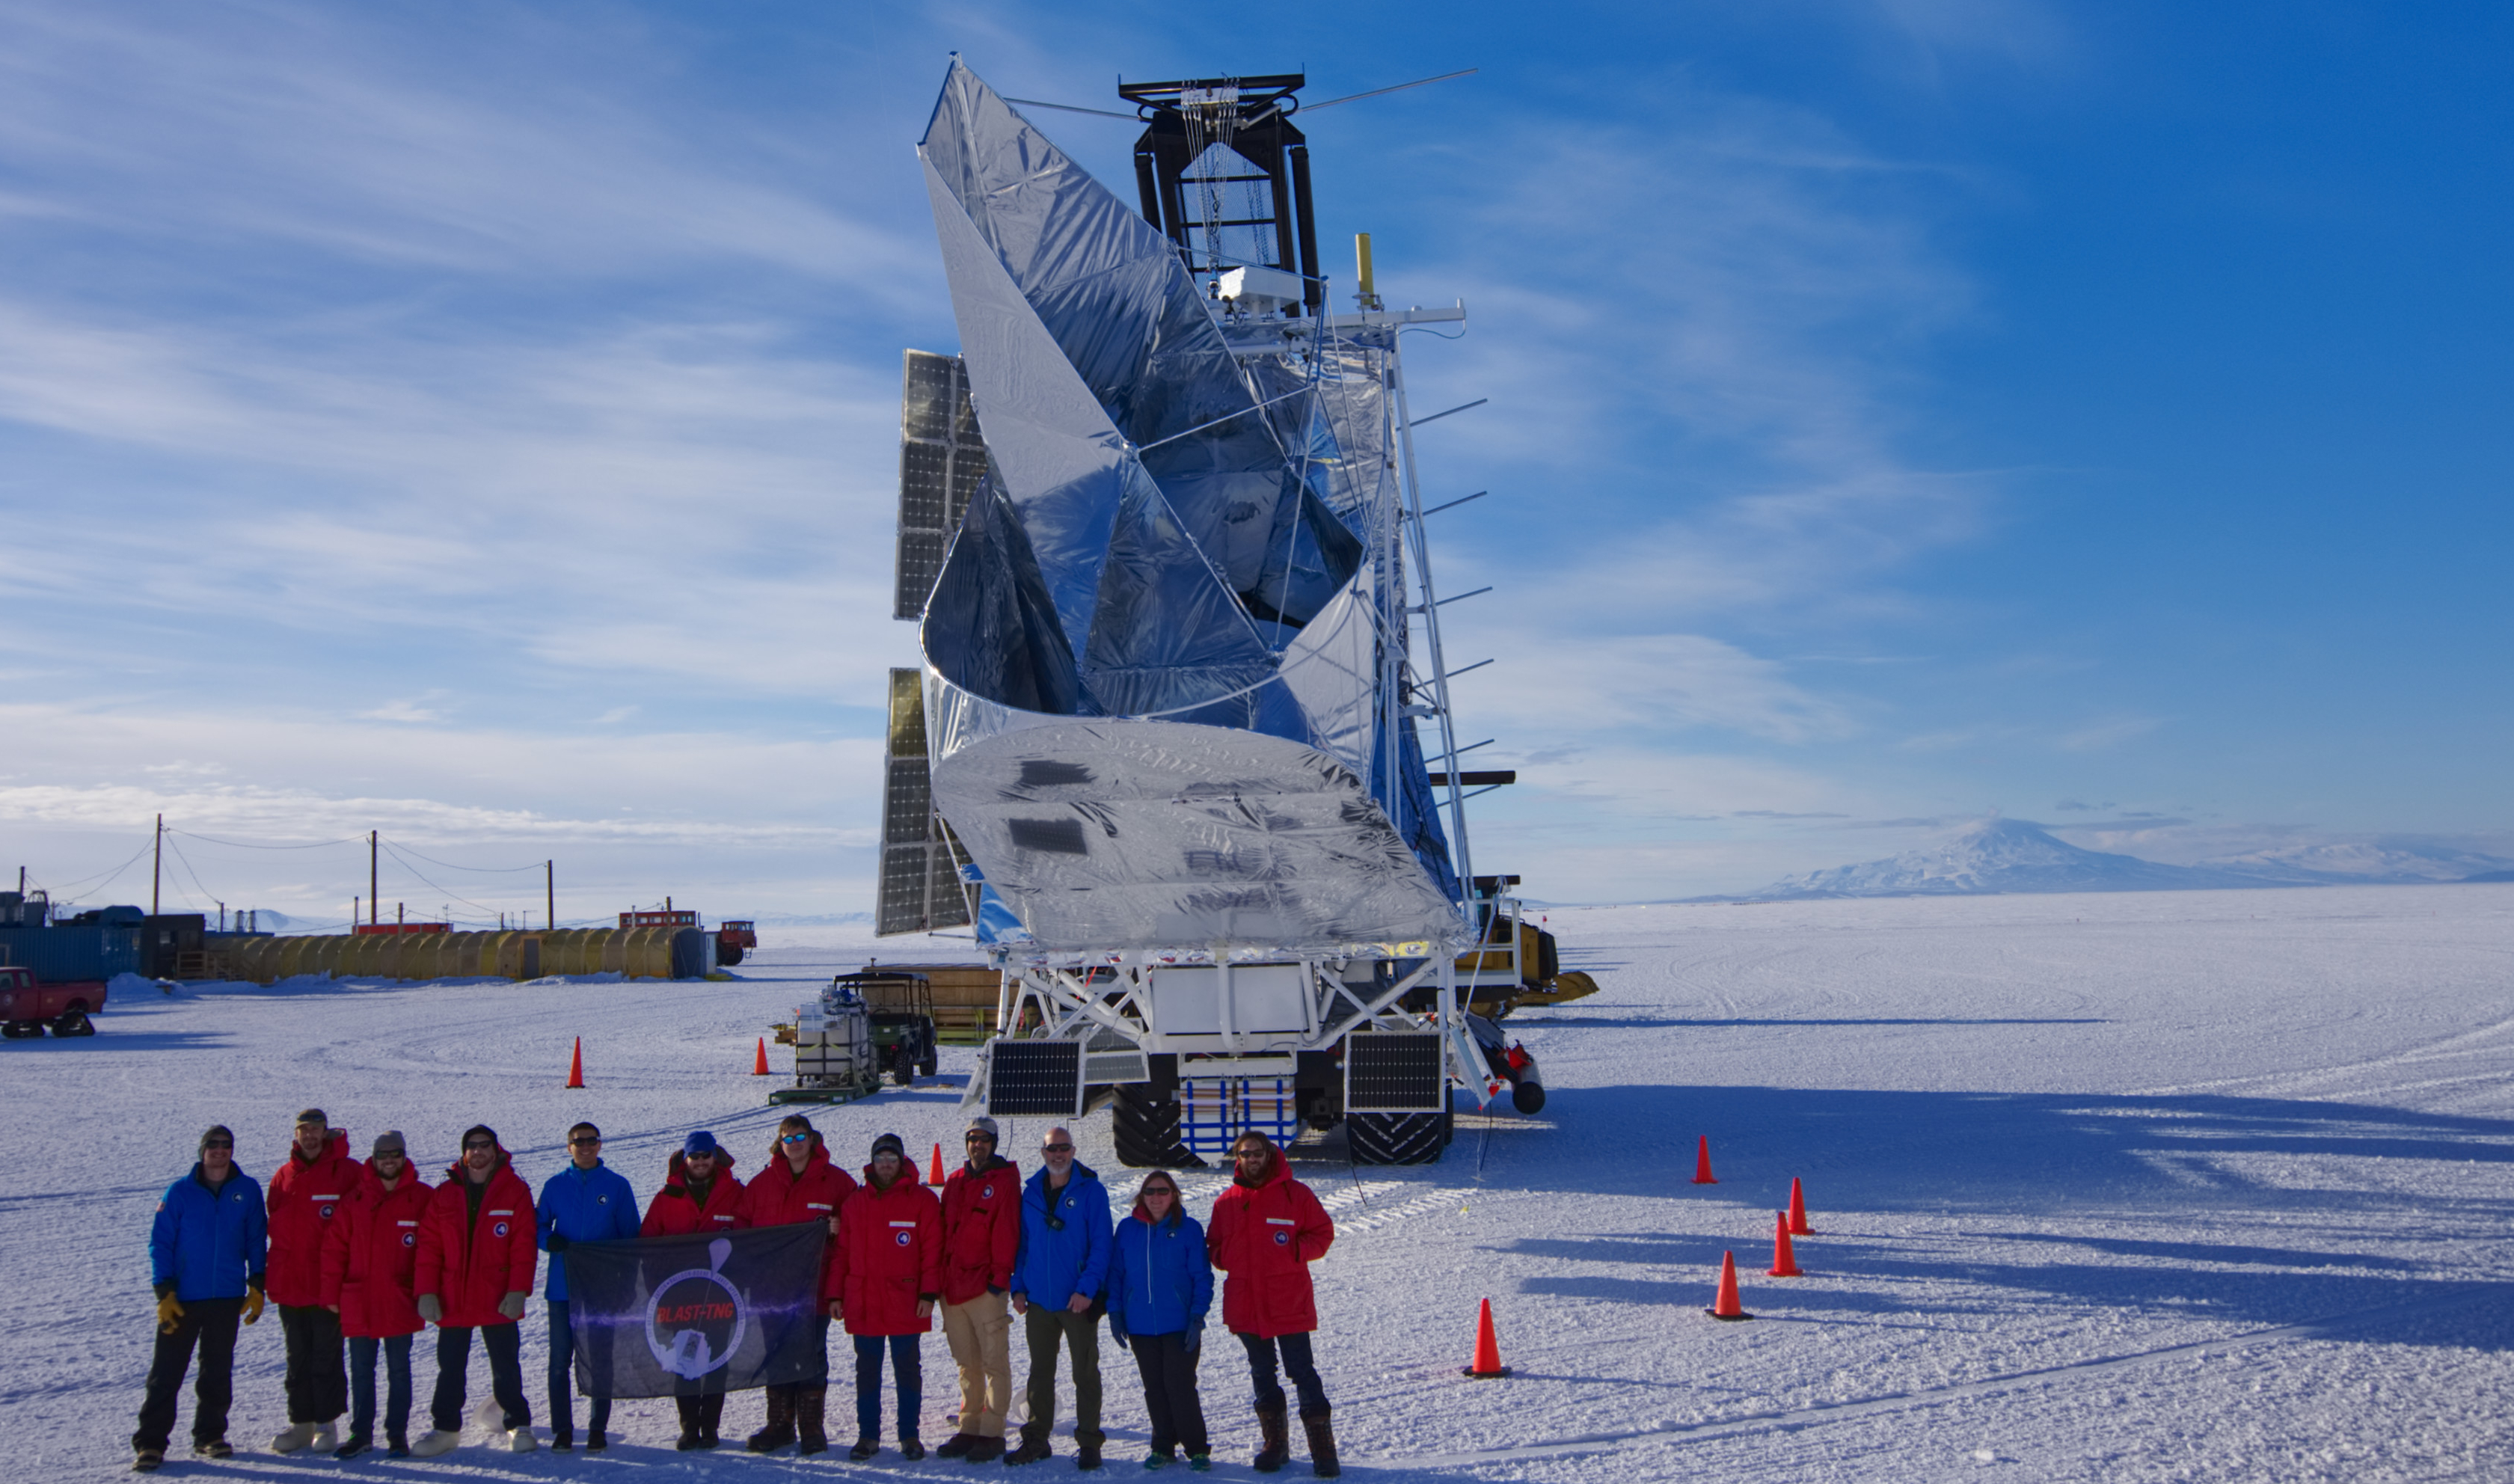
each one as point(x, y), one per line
point(1528, 1097)
point(932, 1064)
point(74, 1023)
point(1147, 1132)
point(902, 1066)
point(1395, 1138)
point(15, 1030)
point(727, 954)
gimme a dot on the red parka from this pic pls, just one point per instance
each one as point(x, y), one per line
point(472, 1262)
point(890, 1254)
point(777, 1196)
point(303, 1198)
point(1265, 1239)
point(371, 1253)
point(673, 1213)
point(980, 1229)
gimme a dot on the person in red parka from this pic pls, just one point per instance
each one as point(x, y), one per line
point(798, 1184)
point(478, 1249)
point(887, 1278)
point(370, 1253)
point(981, 1239)
point(1266, 1232)
point(303, 1198)
point(698, 1194)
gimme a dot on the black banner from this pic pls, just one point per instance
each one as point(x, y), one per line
point(689, 1315)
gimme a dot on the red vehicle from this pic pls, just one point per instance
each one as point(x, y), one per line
point(26, 1007)
point(732, 938)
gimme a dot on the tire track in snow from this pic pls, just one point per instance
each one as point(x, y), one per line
point(2328, 1328)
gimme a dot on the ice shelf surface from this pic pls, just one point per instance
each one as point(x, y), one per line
point(2121, 1187)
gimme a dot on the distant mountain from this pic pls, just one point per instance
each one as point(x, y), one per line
point(2363, 864)
point(1996, 856)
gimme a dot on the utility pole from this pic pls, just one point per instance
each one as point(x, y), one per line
point(372, 900)
point(549, 890)
point(157, 865)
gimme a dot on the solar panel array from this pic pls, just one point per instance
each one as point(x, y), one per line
point(941, 459)
point(920, 887)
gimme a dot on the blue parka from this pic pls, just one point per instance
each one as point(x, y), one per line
point(208, 1244)
point(1160, 1282)
point(1055, 1266)
point(597, 1205)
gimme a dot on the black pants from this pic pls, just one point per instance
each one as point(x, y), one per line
point(1297, 1364)
point(362, 1387)
point(505, 1343)
point(210, 1323)
point(1045, 1328)
point(1170, 1392)
point(700, 1415)
point(562, 1374)
point(319, 1389)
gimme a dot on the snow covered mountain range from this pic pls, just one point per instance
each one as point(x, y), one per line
point(2000, 855)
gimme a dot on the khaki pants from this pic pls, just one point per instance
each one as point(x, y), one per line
point(980, 1333)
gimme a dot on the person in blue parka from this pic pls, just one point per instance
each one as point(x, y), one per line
point(1161, 1284)
point(1060, 1283)
point(206, 1252)
point(588, 1201)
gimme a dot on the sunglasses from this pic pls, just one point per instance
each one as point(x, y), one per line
point(470, 1145)
point(977, 1138)
point(1057, 1148)
point(583, 1140)
point(793, 1139)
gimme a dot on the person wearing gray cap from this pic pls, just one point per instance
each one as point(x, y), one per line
point(980, 1241)
point(370, 1258)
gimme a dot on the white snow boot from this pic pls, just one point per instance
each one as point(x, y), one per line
point(433, 1442)
point(294, 1439)
point(325, 1438)
point(521, 1440)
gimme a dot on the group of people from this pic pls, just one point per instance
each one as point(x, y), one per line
point(366, 1255)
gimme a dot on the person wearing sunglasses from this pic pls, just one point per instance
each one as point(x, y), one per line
point(799, 1184)
point(1267, 1228)
point(585, 1201)
point(980, 1242)
point(1161, 1284)
point(205, 1259)
point(305, 1193)
point(1059, 1289)
point(700, 1195)
point(887, 1279)
point(477, 1255)
point(370, 1253)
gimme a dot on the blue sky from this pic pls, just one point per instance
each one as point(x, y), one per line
point(478, 423)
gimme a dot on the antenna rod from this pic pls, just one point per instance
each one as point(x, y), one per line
point(372, 901)
point(157, 865)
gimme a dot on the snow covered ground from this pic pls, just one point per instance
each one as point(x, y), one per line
point(2167, 1185)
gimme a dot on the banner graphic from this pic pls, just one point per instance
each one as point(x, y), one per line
point(689, 1315)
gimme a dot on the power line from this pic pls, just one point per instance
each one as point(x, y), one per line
point(484, 870)
point(108, 877)
point(241, 845)
point(415, 870)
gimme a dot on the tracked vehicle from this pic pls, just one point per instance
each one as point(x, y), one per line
point(1161, 527)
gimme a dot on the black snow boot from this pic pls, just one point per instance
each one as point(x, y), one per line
point(1275, 1440)
point(1033, 1447)
point(1322, 1454)
point(811, 1417)
point(711, 1413)
point(781, 1421)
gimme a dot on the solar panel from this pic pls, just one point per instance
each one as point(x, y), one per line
point(920, 888)
point(941, 458)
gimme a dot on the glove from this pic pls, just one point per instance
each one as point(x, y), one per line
point(431, 1308)
point(558, 1241)
point(1195, 1337)
point(1117, 1330)
point(169, 1310)
point(253, 1303)
point(512, 1305)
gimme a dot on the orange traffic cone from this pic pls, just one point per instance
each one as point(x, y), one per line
point(1702, 1163)
point(576, 1065)
point(1726, 1306)
point(759, 1063)
point(936, 1177)
point(1488, 1366)
point(1798, 1210)
point(1785, 1262)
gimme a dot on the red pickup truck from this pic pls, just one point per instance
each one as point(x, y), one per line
point(26, 1007)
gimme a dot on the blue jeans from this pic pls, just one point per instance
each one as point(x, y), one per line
point(362, 1387)
point(1297, 1364)
point(562, 1374)
point(908, 1368)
